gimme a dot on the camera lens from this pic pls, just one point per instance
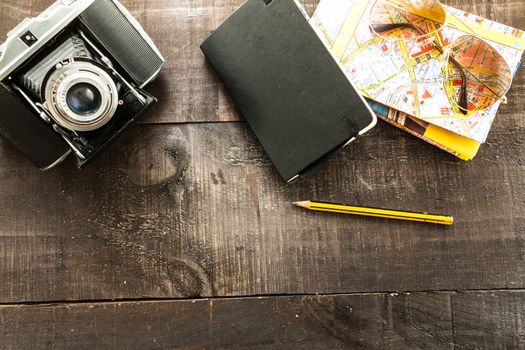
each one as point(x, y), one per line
point(81, 95)
point(83, 98)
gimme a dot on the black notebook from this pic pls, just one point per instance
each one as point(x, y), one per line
point(287, 85)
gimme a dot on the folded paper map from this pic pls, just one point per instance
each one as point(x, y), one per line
point(408, 76)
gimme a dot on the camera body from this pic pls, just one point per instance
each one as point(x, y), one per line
point(73, 78)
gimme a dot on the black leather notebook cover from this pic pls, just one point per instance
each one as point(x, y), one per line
point(286, 84)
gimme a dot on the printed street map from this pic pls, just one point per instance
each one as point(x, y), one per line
point(410, 75)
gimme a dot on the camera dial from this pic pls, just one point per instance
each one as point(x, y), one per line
point(80, 95)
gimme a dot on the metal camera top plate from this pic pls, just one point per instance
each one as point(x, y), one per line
point(16, 49)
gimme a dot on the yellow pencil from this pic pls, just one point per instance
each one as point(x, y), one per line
point(381, 213)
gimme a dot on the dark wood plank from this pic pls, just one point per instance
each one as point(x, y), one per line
point(338, 322)
point(188, 89)
point(489, 320)
point(198, 210)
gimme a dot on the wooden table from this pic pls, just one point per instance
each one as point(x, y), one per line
point(182, 236)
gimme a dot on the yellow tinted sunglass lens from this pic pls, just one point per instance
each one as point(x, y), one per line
point(406, 20)
point(477, 67)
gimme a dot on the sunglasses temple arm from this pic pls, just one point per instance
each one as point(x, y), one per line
point(463, 95)
point(387, 27)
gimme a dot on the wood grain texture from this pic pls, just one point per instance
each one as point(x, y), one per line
point(489, 320)
point(198, 210)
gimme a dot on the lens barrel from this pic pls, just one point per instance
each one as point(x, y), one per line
point(80, 95)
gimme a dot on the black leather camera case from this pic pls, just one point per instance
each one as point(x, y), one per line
point(28, 133)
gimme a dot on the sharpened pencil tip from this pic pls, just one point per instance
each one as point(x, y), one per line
point(303, 204)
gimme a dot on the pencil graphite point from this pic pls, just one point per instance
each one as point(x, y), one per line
point(304, 204)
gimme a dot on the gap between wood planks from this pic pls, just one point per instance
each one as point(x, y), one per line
point(191, 122)
point(257, 296)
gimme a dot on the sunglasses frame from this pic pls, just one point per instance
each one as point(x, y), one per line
point(463, 102)
point(401, 25)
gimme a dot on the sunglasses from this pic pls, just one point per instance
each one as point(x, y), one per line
point(476, 75)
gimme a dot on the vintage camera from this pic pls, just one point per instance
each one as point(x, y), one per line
point(72, 79)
